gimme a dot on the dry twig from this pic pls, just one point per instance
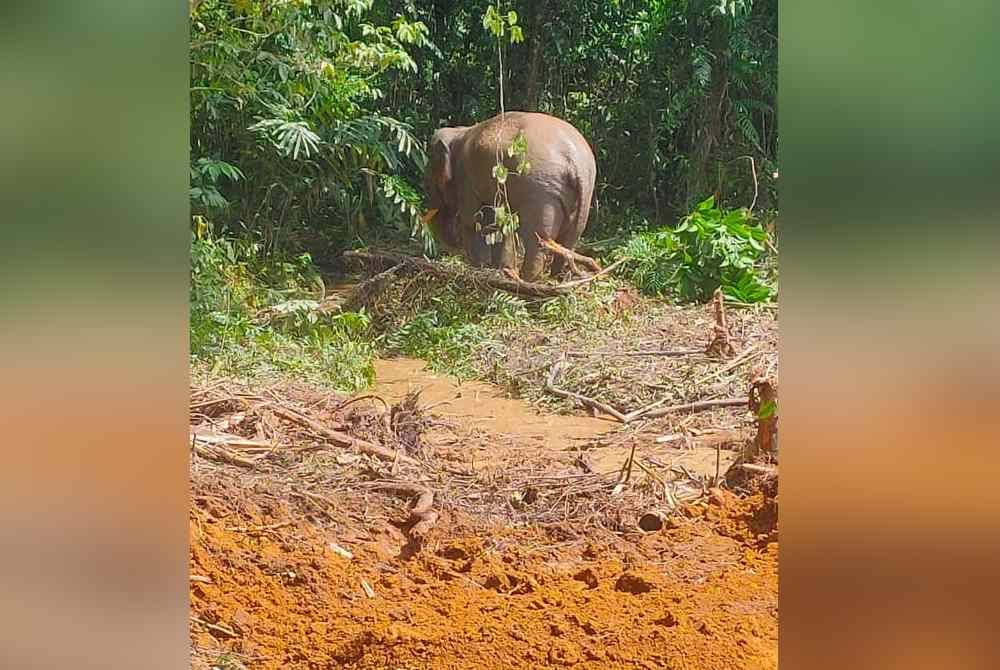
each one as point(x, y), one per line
point(342, 439)
point(720, 344)
point(550, 385)
point(688, 407)
point(748, 353)
point(654, 352)
point(220, 455)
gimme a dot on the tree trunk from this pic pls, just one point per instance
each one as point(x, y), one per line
point(711, 115)
point(535, 37)
point(525, 58)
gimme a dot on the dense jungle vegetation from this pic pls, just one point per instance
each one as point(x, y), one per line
point(309, 120)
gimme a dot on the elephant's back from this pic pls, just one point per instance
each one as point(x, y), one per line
point(550, 139)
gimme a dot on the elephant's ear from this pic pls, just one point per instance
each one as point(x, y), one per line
point(440, 160)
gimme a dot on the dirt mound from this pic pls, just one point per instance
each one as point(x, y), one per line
point(304, 551)
point(268, 591)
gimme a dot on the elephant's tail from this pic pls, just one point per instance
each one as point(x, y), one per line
point(586, 178)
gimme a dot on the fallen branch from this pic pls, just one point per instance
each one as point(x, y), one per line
point(492, 279)
point(766, 470)
point(343, 439)
point(698, 406)
point(224, 440)
point(636, 413)
point(422, 514)
point(648, 412)
point(571, 257)
point(550, 386)
point(510, 284)
point(369, 288)
point(746, 355)
point(655, 352)
point(220, 455)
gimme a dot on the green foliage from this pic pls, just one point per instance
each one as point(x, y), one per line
point(452, 327)
point(308, 119)
point(710, 248)
point(399, 194)
point(205, 177)
point(503, 24)
point(446, 344)
point(506, 219)
point(519, 148)
point(669, 94)
point(288, 92)
point(253, 315)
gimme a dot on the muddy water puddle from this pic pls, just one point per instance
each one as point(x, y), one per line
point(484, 406)
point(479, 407)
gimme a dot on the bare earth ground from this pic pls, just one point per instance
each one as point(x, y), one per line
point(304, 556)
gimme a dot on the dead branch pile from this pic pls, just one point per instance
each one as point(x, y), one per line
point(302, 443)
point(397, 263)
point(353, 463)
point(388, 266)
point(667, 369)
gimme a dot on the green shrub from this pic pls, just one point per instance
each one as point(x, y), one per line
point(254, 314)
point(450, 329)
point(710, 248)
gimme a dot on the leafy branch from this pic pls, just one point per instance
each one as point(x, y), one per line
point(506, 219)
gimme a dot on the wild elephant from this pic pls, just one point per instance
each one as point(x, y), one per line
point(552, 199)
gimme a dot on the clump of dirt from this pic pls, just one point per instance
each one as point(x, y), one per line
point(271, 592)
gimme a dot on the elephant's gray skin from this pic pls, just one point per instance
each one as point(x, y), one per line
point(552, 199)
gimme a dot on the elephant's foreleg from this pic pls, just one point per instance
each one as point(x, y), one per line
point(505, 253)
point(470, 223)
point(477, 250)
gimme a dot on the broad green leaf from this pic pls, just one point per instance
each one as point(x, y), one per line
point(500, 174)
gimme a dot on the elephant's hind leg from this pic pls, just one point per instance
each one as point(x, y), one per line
point(568, 238)
point(544, 219)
